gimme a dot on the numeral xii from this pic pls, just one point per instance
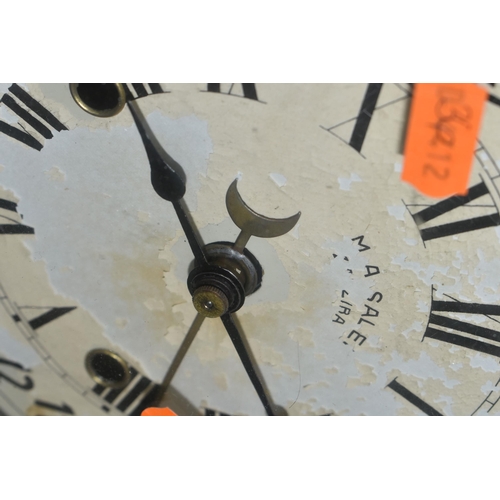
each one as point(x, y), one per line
point(249, 90)
point(365, 116)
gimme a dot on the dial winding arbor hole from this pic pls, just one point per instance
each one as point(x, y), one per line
point(107, 368)
point(99, 99)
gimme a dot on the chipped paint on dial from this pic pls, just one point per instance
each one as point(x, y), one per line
point(106, 242)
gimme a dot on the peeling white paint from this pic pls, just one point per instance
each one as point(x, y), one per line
point(295, 231)
point(488, 387)
point(486, 363)
point(411, 241)
point(397, 211)
point(416, 326)
point(345, 182)
point(119, 240)
point(278, 179)
point(56, 174)
point(96, 210)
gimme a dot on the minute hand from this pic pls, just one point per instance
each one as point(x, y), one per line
point(246, 359)
point(168, 183)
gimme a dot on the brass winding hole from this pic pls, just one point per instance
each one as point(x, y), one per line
point(107, 368)
point(99, 99)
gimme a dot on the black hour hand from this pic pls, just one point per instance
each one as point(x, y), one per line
point(166, 174)
point(167, 179)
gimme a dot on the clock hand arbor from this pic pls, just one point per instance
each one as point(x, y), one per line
point(224, 273)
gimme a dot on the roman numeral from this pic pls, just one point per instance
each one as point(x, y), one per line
point(44, 318)
point(133, 398)
point(209, 412)
point(365, 116)
point(493, 99)
point(64, 408)
point(362, 120)
point(353, 131)
point(137, 90)
point(248, 90)
point(449, 207)
point(413, 399)
point(113, 394)
point(11, 100)
point(14, 227)
point(449, 329)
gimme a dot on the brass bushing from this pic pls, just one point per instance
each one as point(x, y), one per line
point(210, 302)
point(99, 99)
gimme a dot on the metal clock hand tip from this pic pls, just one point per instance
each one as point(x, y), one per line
point(167, 179)
point(165, 175)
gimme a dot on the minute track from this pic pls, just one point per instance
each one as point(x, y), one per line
point(35, 340)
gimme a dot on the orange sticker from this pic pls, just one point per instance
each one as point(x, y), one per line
point(158, 412)
point(441, 138)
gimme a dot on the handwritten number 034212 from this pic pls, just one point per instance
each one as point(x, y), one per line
point(441, 138)
point(441, 174)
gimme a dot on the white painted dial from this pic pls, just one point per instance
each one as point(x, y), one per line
point(379, 302)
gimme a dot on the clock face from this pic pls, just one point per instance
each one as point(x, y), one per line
point(379, 301)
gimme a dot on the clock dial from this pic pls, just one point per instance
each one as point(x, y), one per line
point(379, 301)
